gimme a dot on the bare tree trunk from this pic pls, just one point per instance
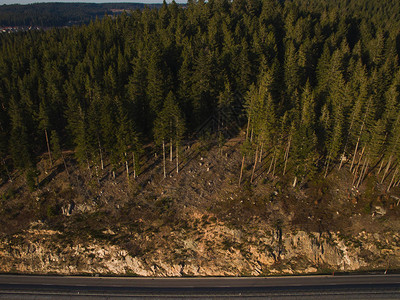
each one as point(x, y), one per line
point(48, 148)
point(359, 161)
point(327, 166)
point(361, 156)
point(341, 160)
point(380, 167)
point(391, 182)
point(247, 136)
point(286, 157)
point(359, 136)
point(347, 139)
point(387, 168)
point(365, 171)
point(101, 155)
point(241, 171)
point(219, 144)
point(362, 172)
point(177, 157)
point(254, 166)
point(261, 152)
point(272, 162)
point(248, 127)
point(355, 174)
point(134, 164)
point(163, 148)
point(275, 159)
point(65, 164)
point(170, 150)
point(355, 153)
point(295, 181)
point(126, 166)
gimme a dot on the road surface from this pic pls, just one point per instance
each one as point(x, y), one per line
point(291, 287)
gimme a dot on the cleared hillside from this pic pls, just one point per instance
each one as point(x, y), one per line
point(197, 222)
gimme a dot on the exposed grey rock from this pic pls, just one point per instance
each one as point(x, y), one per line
point(220, 251)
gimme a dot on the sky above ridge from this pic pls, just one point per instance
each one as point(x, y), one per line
point(86, 1)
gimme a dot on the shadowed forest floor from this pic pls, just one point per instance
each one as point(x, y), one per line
point(207, 185)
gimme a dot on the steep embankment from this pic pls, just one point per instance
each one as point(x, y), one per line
point(198, 222)
point(214, 250)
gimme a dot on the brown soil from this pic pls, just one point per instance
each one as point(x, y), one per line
point(206, 191)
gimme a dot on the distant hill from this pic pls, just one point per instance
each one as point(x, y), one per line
point(61, 14)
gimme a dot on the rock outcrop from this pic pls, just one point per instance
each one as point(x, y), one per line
point(217, 251)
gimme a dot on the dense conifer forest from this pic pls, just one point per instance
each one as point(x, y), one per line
point(45, 15)
point(314, 83)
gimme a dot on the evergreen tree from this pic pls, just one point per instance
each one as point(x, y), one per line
point(204, 86)
point(155, 82)
point(304, 137)
point(55, 145)
point(127, 141)
point(20, 141)
point(291, 69)
point(137, 95)
point(44, 124)
point(169, 125)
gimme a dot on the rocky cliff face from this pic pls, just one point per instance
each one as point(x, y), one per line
point(216, 251)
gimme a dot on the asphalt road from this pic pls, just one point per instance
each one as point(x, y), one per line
point(301, 287)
